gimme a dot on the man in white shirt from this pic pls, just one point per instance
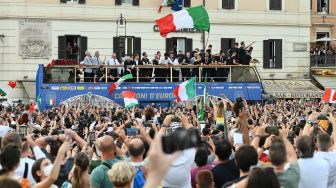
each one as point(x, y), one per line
point(314, 171)
point(327, 153)
point(25, 162)
point(113, 61)
point(88, 62)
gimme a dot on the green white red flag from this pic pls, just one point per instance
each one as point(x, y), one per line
point(192, 18)
point(129, 99)
point(185, 91)
point(119, 82)
point(7, 88)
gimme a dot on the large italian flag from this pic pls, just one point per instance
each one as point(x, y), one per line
point(129, 99)
point(329, 95)
point(185, 91)
point(119, 82)
point(7, 88)
point(193, 18)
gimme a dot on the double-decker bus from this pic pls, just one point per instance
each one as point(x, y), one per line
point(64, 84)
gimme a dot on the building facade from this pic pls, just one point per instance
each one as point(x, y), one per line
point(323, 19)
point(37, 31)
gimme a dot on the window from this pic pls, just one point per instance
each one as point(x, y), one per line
point(323, 5)
point(272, 54)
point(126, 46)
point(320, 35)
point(228, 4)
point(275, 5)
point(72, 47)
point(127, 2)
point(176, 44)
point(227, 43)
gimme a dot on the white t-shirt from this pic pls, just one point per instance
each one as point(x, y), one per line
point(330, 157)
point(178, 175)
point(314, 172)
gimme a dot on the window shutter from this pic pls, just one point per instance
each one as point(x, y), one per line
point(278, 54)
point(117, 2)
point(135, 2)
point(186, 3)
point(188, 45)
point(83, 47)
point(62, 1)
point(231, 4)
point(81, 1)
point(225, 4)
point(61, 47)
point(266, 54)
point(169, 44)
point(137, 46)
point(279, 4)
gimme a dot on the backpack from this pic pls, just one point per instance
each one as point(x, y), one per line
point(139, 179)
point(24, 182)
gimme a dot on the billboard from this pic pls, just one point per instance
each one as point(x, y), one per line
point(54, 94)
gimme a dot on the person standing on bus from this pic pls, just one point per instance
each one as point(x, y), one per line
point(96, 63)
point(113, 61)
point(88, 62)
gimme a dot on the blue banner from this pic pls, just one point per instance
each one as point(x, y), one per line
point(53, 94)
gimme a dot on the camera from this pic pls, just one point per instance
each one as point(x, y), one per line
point(148, 123)
point(181, 139)
point(92, 137)
point(273, 130)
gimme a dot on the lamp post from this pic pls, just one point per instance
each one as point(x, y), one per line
point(121, 24)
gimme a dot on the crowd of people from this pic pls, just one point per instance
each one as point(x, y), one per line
point(235, 56)
point(287, 144)
point(321, 50)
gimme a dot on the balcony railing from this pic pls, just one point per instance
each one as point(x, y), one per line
point(323, 60)
point(152, 73)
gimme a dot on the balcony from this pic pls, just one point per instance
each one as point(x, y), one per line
point(323, 61)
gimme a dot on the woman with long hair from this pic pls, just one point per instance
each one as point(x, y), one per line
point(79, 176)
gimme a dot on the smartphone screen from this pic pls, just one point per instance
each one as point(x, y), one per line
point(132, 132)
point(92, 136)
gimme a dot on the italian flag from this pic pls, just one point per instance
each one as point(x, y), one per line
point(165, 3)
point(52, 102)
point(329, 95)
point(129, 99)
point(185, 91)
point(193, 18)
point(119, 82)
point(7, 88)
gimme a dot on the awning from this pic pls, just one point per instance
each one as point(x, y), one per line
point(326, 81)
point(30, 88)
point(292, 89)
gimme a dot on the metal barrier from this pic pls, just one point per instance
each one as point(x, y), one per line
point(323, 60)
point(151, 73)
